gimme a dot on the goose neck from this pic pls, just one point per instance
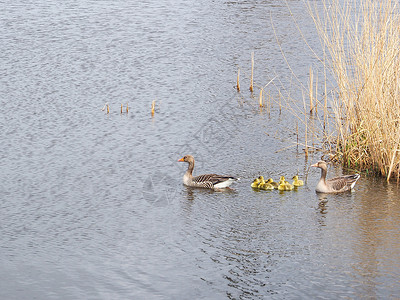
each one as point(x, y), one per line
point(323, 174)
point(190, 168)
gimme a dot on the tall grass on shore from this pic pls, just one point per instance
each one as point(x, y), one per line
point(361, 40)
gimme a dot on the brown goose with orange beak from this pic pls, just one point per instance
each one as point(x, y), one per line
point(208, 181)
point(334, 185)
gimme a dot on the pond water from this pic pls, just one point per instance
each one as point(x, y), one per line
point(92, 204)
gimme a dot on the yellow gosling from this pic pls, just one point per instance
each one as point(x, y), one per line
point(281, 186)
point(288, 186)
point(273, 183)
point(266, 186)
point(297, 181)
point(262, 182)
point(255, 183)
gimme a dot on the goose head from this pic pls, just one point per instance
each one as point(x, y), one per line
point(320, 164)
point(187, 158)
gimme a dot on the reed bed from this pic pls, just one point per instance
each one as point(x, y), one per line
point(361, 40)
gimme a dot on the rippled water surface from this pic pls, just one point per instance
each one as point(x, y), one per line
point(92, 204)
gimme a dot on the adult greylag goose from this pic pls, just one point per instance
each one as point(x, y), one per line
point(208, 181)
point(334, 185)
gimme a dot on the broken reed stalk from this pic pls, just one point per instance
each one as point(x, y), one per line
point(153, 106)
point(305, 136)
point(108, 108)
point(260, 99)
point(316, 93)
point(252, 71)
point(237, 81)
point(306, 127)
point(311, 89)
point(392, 161)
point(280, 102)
point(127, 108)
point(325, 100)
point(121, 108)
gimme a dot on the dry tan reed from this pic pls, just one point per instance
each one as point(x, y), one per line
point(362, 44)
point(260, 99)
point(311, 89)
point(252, 71)
point(153, 106)
point(237, 81)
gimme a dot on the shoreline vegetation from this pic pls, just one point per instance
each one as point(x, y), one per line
point(361, 46)
point(360, 127)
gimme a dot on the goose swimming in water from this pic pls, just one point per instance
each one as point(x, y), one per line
point(334, 185)
point(208, 181)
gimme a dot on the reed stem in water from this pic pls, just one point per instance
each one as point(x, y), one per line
point(311, 89)
point(153, 106)
point(237, 82)
point(252, 71)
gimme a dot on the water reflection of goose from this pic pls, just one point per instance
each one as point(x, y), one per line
point(209, 181)
point(334, 185)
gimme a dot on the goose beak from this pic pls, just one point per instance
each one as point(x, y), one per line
point(315, 165)
point(181, 159)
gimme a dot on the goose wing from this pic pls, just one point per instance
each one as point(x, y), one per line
point(212, 178)
point(343, 183)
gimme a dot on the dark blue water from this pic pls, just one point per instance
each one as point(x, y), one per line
point(92, 205)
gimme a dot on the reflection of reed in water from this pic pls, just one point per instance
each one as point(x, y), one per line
point(376, 253)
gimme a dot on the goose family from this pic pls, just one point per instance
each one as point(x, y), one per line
point(334, 185)
point(208, 181)
point(216, 182)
